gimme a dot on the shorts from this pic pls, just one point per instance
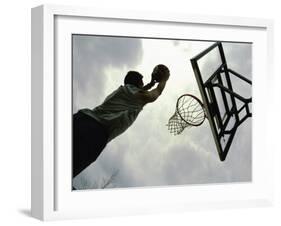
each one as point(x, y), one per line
point(89, 140)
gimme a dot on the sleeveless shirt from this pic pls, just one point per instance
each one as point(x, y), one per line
point(118, 111)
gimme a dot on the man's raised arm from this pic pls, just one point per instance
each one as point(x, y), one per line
point(152, 95)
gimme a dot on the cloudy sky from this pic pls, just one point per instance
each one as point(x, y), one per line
point(147, 154)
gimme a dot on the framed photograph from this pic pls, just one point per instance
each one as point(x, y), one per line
point(137, 112)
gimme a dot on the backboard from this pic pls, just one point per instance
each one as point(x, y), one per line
point(225, 108)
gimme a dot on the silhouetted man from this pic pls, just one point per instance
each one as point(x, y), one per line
point(93, 129)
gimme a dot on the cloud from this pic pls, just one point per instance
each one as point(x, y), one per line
point(239, 57)
point(176, 43)
point(92, 55)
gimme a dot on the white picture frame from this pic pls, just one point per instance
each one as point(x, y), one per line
point(52, 197)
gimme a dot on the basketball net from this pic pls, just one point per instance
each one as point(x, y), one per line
point(189, 112)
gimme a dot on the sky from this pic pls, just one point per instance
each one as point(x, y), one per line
point(147, 154)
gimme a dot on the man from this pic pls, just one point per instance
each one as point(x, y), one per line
point(93, 129)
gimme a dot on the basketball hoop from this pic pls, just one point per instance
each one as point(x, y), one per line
point(189, 112)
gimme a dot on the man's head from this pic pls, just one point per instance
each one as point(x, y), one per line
point(160, 72)
point(134, 78)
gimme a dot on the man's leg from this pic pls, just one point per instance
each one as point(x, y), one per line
point(89, 139)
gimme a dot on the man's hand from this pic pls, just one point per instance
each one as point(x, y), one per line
point(160, 73)
point(164, 76)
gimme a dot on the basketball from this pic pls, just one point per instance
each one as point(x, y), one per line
point(160, 72)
